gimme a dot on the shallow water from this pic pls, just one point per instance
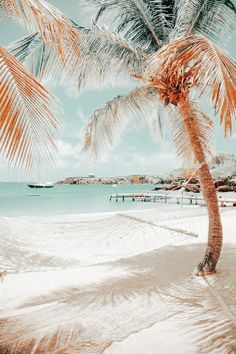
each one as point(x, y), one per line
point(17, 199)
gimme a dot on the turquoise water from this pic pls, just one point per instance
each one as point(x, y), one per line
point(17, 199)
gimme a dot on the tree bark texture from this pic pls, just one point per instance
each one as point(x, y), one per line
point(215, 232)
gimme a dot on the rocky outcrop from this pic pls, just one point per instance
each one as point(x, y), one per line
point(223, 169)
point(219, 183)
point(222, 185)
point(225, 188)
point(221, 166)
point(139, 180)
point(194, 188)
point(133, 179)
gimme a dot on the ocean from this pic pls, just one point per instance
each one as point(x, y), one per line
point(17, 199)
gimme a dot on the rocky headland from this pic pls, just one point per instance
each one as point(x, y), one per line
point(223, 170)
point(222, 166)
point(133, 179)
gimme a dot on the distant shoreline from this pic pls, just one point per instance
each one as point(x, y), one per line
point(193, 185)
point(132, 179)
point(222, 166)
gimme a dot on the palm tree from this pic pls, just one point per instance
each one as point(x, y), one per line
point(196, 62)
point(171, 74)
point(167, 44)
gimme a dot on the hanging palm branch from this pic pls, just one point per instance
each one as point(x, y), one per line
point(151, 23)
point(213, 18)
point(39, 58)
point(104, 59)
point(107, 123)
point(54, 28)
point(27, 115)
point(146, 23)
point(203, 129)
point(200, 63)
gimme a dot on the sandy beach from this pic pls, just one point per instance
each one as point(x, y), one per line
point(116, 283)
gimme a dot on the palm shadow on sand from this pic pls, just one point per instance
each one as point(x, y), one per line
point(139, 292)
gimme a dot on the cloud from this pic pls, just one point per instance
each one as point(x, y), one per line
point(66, 149)
point(81, 115)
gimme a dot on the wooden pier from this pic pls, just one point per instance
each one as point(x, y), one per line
point(178, 198)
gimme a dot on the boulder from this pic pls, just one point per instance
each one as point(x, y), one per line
point(138, 180)
point(224, 188)
point(232, 182)
point(192, 188)
point(219, 183)
point(193, 181)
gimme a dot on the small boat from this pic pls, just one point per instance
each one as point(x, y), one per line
point(41, 185)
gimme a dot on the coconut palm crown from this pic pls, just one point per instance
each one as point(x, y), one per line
point(167, 49)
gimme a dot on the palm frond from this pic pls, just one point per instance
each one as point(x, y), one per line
point(27, 115)
point(104, 59)
point(207, 67)
point(39, 58)
point(108, 123)
point(215, 18)
point(53, 26)
point(145, 23)
point(218, 20)
point(203, 129)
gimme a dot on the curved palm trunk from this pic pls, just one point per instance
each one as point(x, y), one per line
point(215, 233)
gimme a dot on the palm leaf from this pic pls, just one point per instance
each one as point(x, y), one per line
point(53, 26)
point(207, 67)
point(146, 23)
point(104, 59)
point(215, 18)
point(27, 115)
point(203, 128)
point(39, 58)
point(108, 123)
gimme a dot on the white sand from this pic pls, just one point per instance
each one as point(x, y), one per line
point(112, 284)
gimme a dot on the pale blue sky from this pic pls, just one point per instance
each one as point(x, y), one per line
point(135, 153)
